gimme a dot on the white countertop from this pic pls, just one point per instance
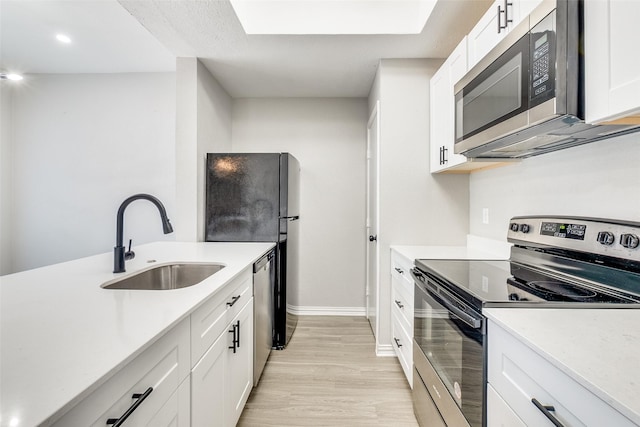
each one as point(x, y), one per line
point(476, 248)
point(598, 348)
point(61, 335)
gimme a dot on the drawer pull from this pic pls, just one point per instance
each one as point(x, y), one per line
point(399, 304)
point(234, 300)
point(399, 270)
point(397, 342)
point(117, 422)
point(546, 410)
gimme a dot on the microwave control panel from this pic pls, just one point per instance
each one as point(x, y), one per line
point(543, 62)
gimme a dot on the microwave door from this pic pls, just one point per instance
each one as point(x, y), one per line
point(496, 101)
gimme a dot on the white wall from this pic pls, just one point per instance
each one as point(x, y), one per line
point(416, 208)
point(328, 137)
point(6, 202)
point(203, 124)
point(82, 144)
point(601, 179)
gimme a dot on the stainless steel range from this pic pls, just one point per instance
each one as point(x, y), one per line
point(558, 262)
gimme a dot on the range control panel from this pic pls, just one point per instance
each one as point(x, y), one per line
point(620, 239)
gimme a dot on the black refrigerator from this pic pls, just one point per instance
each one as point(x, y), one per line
point(255, 197)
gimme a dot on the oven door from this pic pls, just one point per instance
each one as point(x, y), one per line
point(450, 334)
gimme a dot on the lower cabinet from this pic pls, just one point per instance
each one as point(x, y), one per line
point(169, 384)
point(527, 389)
point(153, 389)
point(222, 380)
point(402, 312)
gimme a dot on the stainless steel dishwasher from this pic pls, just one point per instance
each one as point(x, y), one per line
point(264, 279)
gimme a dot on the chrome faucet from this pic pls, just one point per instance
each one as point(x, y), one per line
point(119, 254)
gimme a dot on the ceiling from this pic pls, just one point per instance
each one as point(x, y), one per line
point(112, 40)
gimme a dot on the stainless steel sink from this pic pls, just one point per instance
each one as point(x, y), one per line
point(168, 276)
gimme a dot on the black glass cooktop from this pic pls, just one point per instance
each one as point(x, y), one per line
point(480, 282)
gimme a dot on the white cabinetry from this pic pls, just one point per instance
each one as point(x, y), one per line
point(162, 371)
point(402, 312)
point(223, 378)
point(442, 117)
point(519, 376)
point(612, 66)
point(216, 341)
point(222, 353)
point(495, 24)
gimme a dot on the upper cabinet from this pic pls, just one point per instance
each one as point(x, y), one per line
point(612, 66)
point(499, 19)
point(442, 120)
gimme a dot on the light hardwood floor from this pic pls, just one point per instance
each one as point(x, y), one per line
point(329, 375)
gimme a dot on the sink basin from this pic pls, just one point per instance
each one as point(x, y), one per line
point(168, 276)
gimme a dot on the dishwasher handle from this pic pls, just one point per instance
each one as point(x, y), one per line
point(259, 265)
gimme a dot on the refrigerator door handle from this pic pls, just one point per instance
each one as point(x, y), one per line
point(292, 218)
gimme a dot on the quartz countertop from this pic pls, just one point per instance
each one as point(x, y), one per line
point(62, 335)
point(597, 347)
point(476, 248)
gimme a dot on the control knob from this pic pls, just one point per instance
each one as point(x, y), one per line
point(630, 241)
point(525, 228)
point(514, 226)
point(605, 238)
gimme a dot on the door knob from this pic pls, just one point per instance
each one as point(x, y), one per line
point(373, 238)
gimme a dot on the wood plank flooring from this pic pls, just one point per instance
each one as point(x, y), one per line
point(329, 375)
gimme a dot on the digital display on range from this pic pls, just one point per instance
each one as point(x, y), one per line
point(563, 230)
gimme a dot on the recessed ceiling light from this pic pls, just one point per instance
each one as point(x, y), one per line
point(10, 76)
point(63, 39)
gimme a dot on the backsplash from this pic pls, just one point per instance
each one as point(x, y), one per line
point(601, 179)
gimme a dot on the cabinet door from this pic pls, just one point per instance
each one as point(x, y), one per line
point(208, 384)
point(612, 69)
point(176, 411)
point(499, 414)
point(442, 115)
point(439, 123)
point(239, 380)
point(484, 36)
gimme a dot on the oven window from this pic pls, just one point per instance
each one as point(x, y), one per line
point(455, 350)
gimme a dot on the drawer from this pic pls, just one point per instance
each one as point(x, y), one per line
point(518, 375)
point(402, 304)
point(163, 367)
point(400, 270)
point(499, 414)
point(211, 318)
point(403, 346)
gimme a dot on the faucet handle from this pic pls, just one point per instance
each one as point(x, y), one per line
point(129, 254)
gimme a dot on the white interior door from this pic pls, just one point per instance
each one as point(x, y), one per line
point(371, 289)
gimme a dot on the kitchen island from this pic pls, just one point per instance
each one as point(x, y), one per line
point(63, 336)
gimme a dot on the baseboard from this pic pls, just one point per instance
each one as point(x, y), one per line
point(326, 311)
point(385, 350)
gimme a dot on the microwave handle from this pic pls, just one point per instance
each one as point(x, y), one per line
point(448, 301)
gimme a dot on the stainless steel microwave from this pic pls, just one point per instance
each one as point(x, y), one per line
point(526, 96)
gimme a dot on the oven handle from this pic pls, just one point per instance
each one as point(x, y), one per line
point(448, 301)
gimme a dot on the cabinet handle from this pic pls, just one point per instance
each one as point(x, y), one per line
point(507, 21)
point(546, 410)
point(397, 342)
point(399, 304)
point(399, 270)
point(235, 329)
point(444, 155)
point(238, 337)
point(117, 422)
point(234, 300)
